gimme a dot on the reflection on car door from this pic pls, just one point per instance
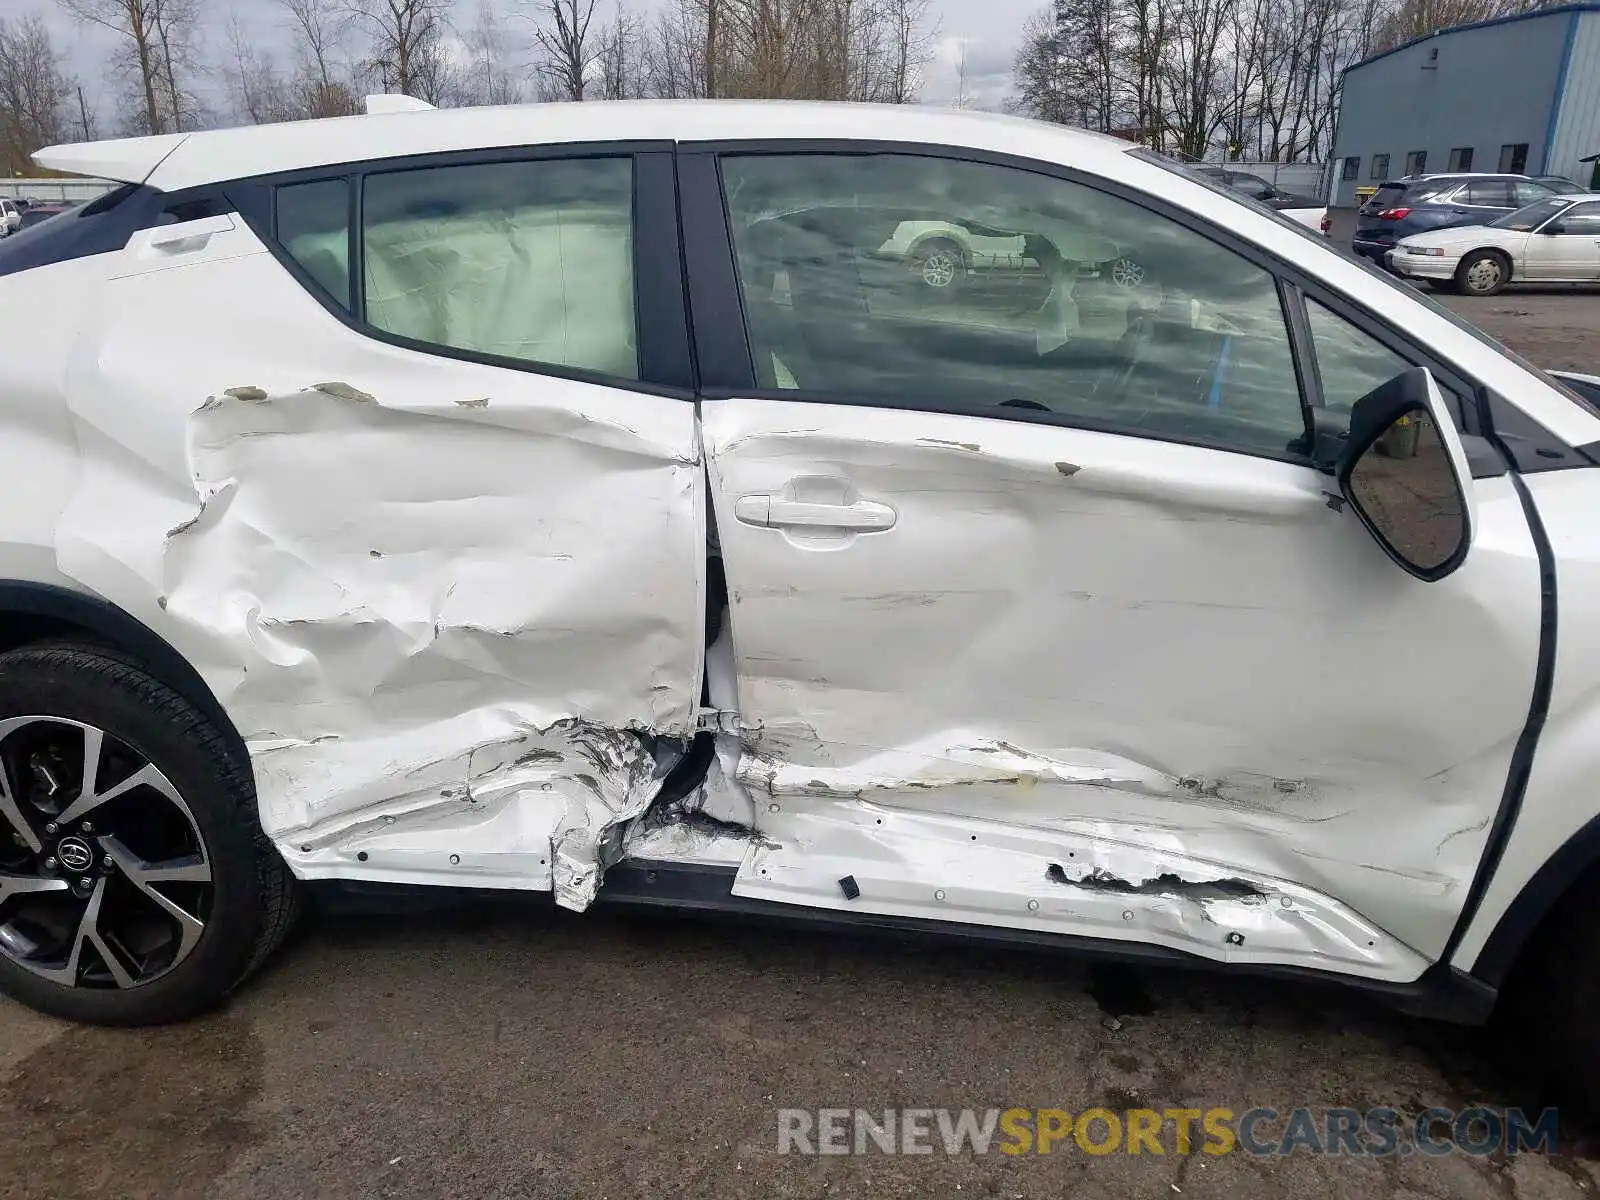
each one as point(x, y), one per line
point(1083, 628)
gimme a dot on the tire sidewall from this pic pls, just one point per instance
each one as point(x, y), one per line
point(1466, 287)
point(95, 690)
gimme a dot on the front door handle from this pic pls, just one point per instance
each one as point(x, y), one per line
point(774, 512)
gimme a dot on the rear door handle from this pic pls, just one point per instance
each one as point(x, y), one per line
point(774, 512)
point(188, 235)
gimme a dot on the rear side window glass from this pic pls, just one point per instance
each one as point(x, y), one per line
point(529, 260)
point(313, 225)
point(1490, 193)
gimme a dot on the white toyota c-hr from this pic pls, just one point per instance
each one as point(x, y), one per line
point(567, 499)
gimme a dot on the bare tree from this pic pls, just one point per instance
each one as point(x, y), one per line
point(621, 54)
point(489, 78)
point(405, 45)
point(257, 91)
point(675, 58)
point(562, 35)
point(321, 85)
point(33, 93)
point(136, 21)
point(911, 40)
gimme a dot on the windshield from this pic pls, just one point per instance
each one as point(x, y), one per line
point(1530, 217)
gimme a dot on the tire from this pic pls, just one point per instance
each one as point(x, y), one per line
point(1544, 1022)
point(1483, 273)
point(188, 895)
point(940, 264)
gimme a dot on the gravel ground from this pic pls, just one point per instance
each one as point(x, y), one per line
point(513, 1051)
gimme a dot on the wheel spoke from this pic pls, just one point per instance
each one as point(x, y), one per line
point(123, 977)
point(20, 885)
point(145, 776)
point(12, 813)
point(93, 742)
point(192, 869)
point(88, 923)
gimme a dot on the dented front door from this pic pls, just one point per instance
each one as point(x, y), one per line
point(996, 669)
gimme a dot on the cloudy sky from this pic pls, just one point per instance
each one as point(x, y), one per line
point(986, 30)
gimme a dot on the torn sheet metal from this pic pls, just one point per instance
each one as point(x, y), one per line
point(716, 822)
point(454, 610)
point(934, 867)
point(1150, 642)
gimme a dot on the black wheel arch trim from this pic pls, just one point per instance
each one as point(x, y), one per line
point(1575, 858)
point(1504, 822)
point(59, 609)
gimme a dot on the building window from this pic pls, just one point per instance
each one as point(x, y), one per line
point(1380, 166)
point(1416, 162)
point(1352, 169)
point(1461, 158)
point(1514, 158)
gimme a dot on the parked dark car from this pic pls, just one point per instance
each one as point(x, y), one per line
point(1416, 204)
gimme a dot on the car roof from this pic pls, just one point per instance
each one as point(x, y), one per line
point(173, 161)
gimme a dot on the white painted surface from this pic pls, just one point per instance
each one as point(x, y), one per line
point(1560, 797)
point(451, 607)
point(1166, 646)
point(432, 595)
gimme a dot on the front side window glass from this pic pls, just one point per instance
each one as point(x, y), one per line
point(1351, 362)
point(1582, 220)
point(938, 283)
point(529, 260)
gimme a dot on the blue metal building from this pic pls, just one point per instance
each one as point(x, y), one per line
point(1519, 93)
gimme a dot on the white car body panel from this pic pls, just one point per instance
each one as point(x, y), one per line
point(1311, 218)
point(1559, 799)
point(127, 160)
point(417, 595)
point(1091, 684)
point(1085, 635)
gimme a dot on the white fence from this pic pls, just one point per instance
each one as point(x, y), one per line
point(43, 190)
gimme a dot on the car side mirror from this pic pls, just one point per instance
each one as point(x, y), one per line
point(1553, 228)
point(1404, 471)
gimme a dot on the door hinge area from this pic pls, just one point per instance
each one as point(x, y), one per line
point(717, 720)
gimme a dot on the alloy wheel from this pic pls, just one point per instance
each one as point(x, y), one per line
point(105, 881)
point(1127, 273)
point(939, 269)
